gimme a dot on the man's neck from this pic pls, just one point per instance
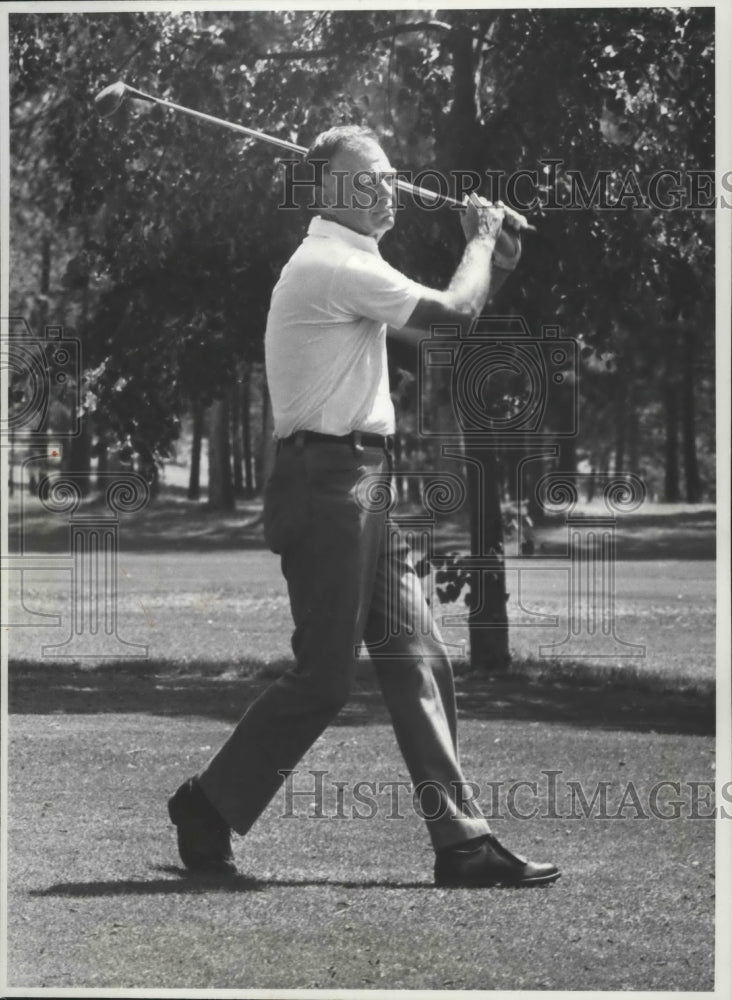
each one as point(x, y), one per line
point(328, 217)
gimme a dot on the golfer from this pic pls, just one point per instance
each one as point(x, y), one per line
point(326, 361)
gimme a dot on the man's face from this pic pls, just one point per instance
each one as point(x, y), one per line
point(358, 190)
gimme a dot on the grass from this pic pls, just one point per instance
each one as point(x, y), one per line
point(528, 692)
point(631, 679)
point(231, 607)
point(97, 899)
point(172, 523)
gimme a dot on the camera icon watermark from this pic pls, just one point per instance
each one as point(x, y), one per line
point(43, 377)
point(500, 380)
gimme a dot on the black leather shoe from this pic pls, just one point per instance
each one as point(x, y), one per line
point(489, 863)
point(204, 836)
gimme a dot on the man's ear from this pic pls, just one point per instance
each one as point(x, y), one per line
point(325, 194)
point(309, 177)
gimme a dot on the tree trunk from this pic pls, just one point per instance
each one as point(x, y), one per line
point(220, 485)
point(246, 432)
point(236, 448)
point(567, 460)
point(267, 451)
point(511, 465)
point(194, 479)
point(488, 616)
point(11, 462)
point(102, 450)
point(147, 467)
point(621, 413)
point(633, 433)
point(533, 472)
point(692, 481)
point(41, 434)
point(671, 492)
point(45, 285)
point(464, 142)
point(77, 456)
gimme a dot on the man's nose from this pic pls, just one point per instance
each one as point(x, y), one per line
point(385, 186)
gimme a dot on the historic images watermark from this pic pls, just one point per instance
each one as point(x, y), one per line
point(318, 794)
point(45, 385)
point(551, 186)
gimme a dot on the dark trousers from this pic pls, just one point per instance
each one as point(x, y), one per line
point(325, 515)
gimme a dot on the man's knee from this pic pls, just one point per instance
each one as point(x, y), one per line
point(323, 691)
point(331, 694)
point(325, 649)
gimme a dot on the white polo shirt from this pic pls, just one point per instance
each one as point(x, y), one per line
point(325, 344)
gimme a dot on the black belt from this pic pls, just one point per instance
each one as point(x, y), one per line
point(356, 439)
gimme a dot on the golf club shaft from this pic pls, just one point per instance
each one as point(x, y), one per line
point(432, 197)
point(232, 126)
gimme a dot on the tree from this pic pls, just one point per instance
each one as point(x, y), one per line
point(220, 482)
point(170, 238)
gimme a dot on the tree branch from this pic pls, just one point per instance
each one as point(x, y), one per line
point(391, 32)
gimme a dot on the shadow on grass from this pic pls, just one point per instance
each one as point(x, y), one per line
point(171, 524)
point(585, 697)
point(167, 525)
point(189, 884)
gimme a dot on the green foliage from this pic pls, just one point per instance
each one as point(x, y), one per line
point(166, 234)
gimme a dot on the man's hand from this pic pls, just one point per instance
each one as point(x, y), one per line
point(475, 277)
point(482, 219)
point(497, 225)
point(513, 221)
point(507, 252)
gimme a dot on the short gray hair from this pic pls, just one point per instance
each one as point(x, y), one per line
point(327, 144)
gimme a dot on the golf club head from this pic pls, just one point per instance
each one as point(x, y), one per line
point(110, 99)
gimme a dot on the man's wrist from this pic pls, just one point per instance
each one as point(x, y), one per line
point(487, 240)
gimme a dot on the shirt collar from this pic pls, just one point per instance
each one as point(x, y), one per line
point(334, 230)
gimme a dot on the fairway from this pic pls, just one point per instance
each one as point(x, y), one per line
point(231, 607)
point(97, 898)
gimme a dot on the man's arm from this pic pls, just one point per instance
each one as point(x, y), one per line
point(476, 279)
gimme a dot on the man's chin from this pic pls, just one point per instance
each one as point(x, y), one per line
point(384, 225)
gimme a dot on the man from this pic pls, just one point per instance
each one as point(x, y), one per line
point(326, 363)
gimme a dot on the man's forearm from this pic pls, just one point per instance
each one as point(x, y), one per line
point(474, 277)
point(476, 280)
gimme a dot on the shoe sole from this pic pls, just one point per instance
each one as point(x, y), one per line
point(527, 883)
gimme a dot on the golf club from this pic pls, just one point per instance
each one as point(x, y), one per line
point(111, 98)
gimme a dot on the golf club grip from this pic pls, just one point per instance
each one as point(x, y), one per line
point(438, 199)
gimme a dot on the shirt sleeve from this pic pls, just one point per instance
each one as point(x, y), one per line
point(366, 286)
